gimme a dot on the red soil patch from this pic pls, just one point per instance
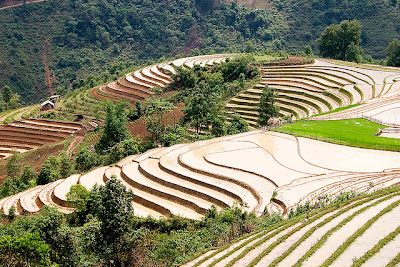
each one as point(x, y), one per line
point(49, 75)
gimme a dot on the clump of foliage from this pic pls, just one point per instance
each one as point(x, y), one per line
point(93, 36)
point(155, 110)
point(266, 107)
point(114, 130)
point(393, 53)
point(341, 41)
point(203, 90)
point(8, 99)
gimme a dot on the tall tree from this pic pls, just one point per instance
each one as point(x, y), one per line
point(393, 53)
point(6, 93)
point(201, 106)
point(341, 41)
point(114, 130)
point(267, 108)
point(155, 111)
point(112, 205)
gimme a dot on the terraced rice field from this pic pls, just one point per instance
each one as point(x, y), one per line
point(17, 114)
point(311, 89)
point(264, 170)
point(137, 86)
point(27, 134)
point(364, 232)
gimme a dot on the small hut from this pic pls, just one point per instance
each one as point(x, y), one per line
point(46, 105)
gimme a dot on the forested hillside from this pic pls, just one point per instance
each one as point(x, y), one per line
point(380, 20)
point(50, 46)
point(47, 46)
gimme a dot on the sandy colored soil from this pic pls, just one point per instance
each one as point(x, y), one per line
point(344, 158)
point(337, 238)
point(381, 228)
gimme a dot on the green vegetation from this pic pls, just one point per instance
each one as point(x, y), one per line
point(83, 39)
point(103, 229)
point(341, 41)
point(393, 53)
point(204, 90)
point(8, 100)
point(114, 130)
point(266, 107)
point(338, 109)
point(352, 132)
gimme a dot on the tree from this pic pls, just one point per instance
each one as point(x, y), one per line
point(14, 101)
point(78, 197)
point(27, 250)
point(266, 107)
point(86, 160)
point(238, 125)
point(308, 51)
point(114, 130)
point(341, 41)
point(50, 171)
point(393, 53)
point(13, 166)
point(202, 105)
point(155, 111)
point(66, 164)
point(112, 205)
point(6, 93)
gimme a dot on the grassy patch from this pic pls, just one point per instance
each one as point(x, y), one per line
point(351, 132)
point(338, 109)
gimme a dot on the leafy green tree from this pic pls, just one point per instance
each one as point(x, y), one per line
point(114, 130)
point(86, 160)
point(155, 111)
point(202, 105)
point(78, 197)
point(14, 102)
point(27, 178)
point(123, 149)
point(61, 238)
point(66, 164)
point(233, 68)
point(27, 250)
point(8, 188)
point(393, 53)
point(50, 171)
point(308, 51)
point(237, 125)
point(112, 205)
point(205, 5)
point(341, 41)
point(6, 93)
point(13, 165)
point(266, 107)
point(219, 127)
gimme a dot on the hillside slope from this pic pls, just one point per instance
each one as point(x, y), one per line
point(51, 45)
